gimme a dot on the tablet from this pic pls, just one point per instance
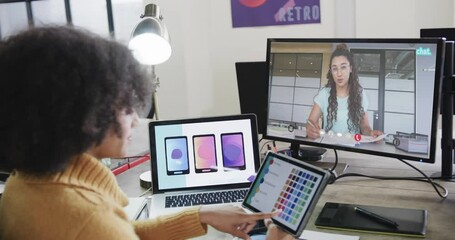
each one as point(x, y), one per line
point(287, 184)
point(377, 219)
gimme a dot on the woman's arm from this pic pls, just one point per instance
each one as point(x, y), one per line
point(180, 225)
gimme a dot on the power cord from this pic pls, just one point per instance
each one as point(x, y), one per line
point(145, 192)
point(336, 161)
point(265, 144)
point(333, 175)
point(425, 179)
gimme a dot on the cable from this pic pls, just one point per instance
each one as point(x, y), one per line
point(145, 192)
point(434, 184)
point(128, 157)
point(429, 179)
point(426, 179)
point(336, 161)
point(260, 150)
point(445, 179)
point(262, 138)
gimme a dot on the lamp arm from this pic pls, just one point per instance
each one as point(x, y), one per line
point(154, 113)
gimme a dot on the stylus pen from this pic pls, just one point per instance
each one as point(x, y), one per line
point(376, 217)
point(311, 124)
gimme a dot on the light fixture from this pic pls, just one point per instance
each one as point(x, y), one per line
point(150, 45)
point(150, 39)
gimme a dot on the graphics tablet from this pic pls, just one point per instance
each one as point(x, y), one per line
point(378, 219)
point(287, 184)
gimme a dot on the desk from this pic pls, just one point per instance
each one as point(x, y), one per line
point(343, 141)
point(402, 194)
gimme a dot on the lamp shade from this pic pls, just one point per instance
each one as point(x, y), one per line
point(150, 39)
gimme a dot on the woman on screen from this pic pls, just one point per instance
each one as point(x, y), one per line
point(342, 103)
point(68, 98)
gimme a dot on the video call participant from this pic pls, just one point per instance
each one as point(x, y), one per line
point(341, 103)
point(67, 99)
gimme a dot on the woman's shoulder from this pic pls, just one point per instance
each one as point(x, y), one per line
point(322, 96)
point(324, 90)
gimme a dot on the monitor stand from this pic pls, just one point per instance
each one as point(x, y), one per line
point(307, 154)
point(312, 155)
point(447, 97)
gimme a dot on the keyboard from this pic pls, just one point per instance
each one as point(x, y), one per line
point(194, 199)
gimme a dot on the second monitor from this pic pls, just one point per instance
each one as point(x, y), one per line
point(337, 93)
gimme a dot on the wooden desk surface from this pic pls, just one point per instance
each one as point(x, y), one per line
point(356, 190)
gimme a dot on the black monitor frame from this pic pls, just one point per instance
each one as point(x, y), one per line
point(252, 88)
point(436, 93)
point(447, 98)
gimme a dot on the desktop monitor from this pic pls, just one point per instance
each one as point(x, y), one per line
point(394, 88)
point(252, 86)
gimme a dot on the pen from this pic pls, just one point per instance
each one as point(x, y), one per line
point(311, 124)
point(376, 217)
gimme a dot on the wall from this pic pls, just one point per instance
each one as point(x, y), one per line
point(199, 79)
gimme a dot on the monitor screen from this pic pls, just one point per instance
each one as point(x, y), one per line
point(252, 78)
point(374, 96)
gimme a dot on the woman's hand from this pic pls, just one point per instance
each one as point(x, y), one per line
point(231, 219)
point(376, 133)
point(312, 130)
point(274, 232)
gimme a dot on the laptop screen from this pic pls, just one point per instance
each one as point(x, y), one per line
point(214, 152)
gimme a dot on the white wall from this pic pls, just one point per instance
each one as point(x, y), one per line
point(207, 47)
point(199, 79)
point(403, 18)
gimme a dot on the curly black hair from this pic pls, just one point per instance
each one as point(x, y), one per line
point(355, 108)
point(61, 89)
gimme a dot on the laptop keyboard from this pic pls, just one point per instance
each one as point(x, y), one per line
point(193, 199)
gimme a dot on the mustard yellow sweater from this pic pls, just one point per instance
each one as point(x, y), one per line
point(83, 202)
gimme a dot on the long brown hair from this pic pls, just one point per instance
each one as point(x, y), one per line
point(355, 93)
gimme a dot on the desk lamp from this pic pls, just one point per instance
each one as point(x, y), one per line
point(150, 45)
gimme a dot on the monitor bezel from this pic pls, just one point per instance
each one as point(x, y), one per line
point(440, 42)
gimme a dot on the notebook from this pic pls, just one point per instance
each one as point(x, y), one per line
point(215, 155)
point(377, 219)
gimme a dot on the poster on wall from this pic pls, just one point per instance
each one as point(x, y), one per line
point(249, 13)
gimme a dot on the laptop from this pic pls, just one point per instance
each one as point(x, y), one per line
point(200, 161)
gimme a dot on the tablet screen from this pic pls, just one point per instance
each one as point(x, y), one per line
point(289, 185)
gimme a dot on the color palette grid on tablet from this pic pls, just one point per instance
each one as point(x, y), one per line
point(295, 195)
point(282, 185)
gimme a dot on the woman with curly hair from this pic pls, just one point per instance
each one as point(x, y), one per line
point(342, 103)
point(67, 99)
